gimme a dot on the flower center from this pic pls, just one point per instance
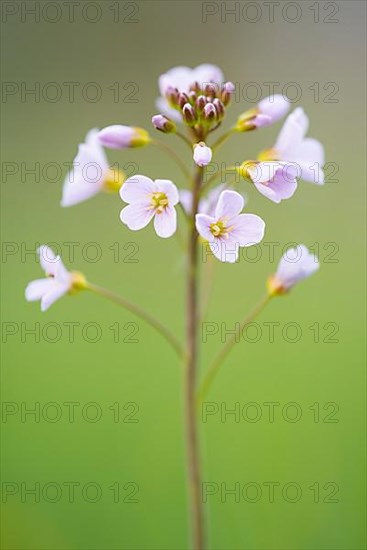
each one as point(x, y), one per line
point(219, 229)
point(159, 201)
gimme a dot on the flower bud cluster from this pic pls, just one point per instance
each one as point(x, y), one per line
point(202, 106)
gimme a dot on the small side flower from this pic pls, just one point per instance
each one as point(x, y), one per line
point(295, 265)
point(91, 173)
point(150, 199)
point(58, 282)
point(228, 229)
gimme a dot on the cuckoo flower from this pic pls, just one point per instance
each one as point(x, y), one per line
point(269, 110)
point(292, 146)
point(295, 265)
point(228, 229)
point(118, 136)
point(58, 282)
point(202, 154)
point(90, 174)
point(150, 199)
point(181, 79)
point(275, 180)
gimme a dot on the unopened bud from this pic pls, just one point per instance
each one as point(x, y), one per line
point(200, 103)
point(163, 124)
point(172, 95)
point(202, 154)
point(219, 108)
point(188, 114)
point(118, 136)
point(227, 91)
point(182, 99)
point(210, 112)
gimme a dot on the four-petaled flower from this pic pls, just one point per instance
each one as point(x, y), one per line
point(275, 180)
point(58, 282)
point(150, 199)
point(91, 173)
point(295, 265)
point(292, 146)
point(228, 229)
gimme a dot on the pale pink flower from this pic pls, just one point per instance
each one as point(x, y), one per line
point(228, 229)
point(292, 146)
point(275, 180)
point(182, 78)
point(59, 281)
point(202, 154)
point(150, 199)
point(91, 173)
point(295, 265)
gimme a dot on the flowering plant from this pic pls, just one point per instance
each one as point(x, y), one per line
point(193, 104)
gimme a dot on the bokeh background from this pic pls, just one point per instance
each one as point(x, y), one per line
point(128, 368)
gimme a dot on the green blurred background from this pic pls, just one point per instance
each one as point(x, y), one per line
point(150, 452)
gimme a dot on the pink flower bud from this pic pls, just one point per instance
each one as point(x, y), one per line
point(118, 136)
point(202, 154)
point(163, 124)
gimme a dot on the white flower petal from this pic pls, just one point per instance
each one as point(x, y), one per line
point(55, 293)
point(230, 204)
point(248, 230)
point(36, 289)
point(225, 250)
point(165, 223)
point(137, 215)
point(293, 131)
point(203, 222)
point(137, 189)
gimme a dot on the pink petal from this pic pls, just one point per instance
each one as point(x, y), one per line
point(48, 259)
point(36, 289)
point(136, 216)
point(225, 250)
point(165, 223)
point(293, 131)
point(230, 204)
point(248, 229)
point(203, 222)
point(54, 294)
point(275, 106)
point(137, 189)
point(310, 156)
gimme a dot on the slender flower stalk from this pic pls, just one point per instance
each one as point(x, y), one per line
point(223, 138)
point(173, 155)
point(215, 366)
point(191, 368)
point(139, 312)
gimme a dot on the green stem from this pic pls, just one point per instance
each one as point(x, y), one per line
point(223, 138)
point(185, 139)
point(191, 371)
point(139, 312)
point(214, 368)
point(174, 156)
